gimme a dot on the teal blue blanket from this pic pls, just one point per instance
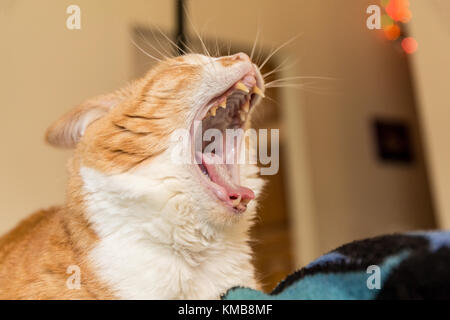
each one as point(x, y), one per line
point(400, 266)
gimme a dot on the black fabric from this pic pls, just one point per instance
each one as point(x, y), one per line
point(424, 275)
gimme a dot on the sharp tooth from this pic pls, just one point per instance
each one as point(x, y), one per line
point(242, 87)
point(223, 104)
point(236, 201)
point(246, 106)
point(258, 91)
point(213, 111)
point(243, 115)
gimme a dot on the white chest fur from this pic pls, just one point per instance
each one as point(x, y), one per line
point(154, 242)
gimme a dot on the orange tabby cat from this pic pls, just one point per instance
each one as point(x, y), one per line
point(136, 224)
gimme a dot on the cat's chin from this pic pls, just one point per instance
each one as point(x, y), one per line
point(218, 168)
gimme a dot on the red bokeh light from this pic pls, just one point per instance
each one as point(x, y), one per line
point(398, 10)
point(409, 45)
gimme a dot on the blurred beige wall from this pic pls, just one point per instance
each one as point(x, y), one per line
point(356, 195)
point(45, 70)
point(431, 63)
point(338, 189)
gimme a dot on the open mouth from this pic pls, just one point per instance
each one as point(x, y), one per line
point(225, 116)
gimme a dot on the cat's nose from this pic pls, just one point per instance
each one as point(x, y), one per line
point(240, 56)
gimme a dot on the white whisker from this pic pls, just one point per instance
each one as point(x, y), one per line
point(145, 52)
point(280, 67)
point(254, 44)
point(187, 45)
point(217, 47)
point(151, 45)
point(278, 49)
point(170, 40)
point(197, 33)
point(260, 54)
point(306, 78)
point(273, 100)
point(168, 53)
point(302, 86)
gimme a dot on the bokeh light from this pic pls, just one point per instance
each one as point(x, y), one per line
point(392, 32)
point(409, 45)
point(399, 10)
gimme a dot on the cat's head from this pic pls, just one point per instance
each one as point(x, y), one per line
point(125, 146)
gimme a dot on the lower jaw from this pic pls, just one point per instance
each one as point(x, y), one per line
point(211, 191)
point(225, 189)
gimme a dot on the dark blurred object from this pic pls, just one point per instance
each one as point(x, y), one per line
point(393, 141)
point(180, 37)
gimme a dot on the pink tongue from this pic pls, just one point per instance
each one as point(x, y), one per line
point(220, 175)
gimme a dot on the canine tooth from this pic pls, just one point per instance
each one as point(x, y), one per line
point(243, 115)
point(213, 111)
point(242, 87)
point(223, 104)
point(246, 106)
point(236, 201)
point(258, 91)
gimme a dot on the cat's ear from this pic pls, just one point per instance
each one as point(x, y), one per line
point(67, 131)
